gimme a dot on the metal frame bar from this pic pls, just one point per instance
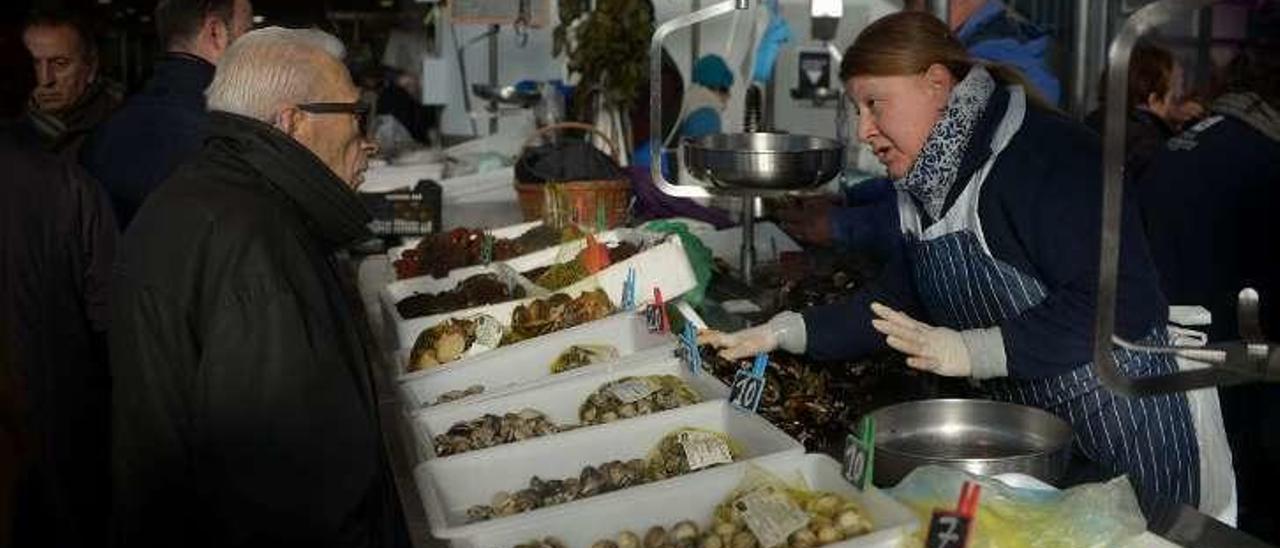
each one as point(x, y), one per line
point(655, 95)
point(1250, 360)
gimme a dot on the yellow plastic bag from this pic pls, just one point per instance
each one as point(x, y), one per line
point(1091, 515)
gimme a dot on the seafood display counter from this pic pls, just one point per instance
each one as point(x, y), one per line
point(530, 392)
point(579, 421)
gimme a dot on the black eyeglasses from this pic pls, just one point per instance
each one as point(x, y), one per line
point(359, 109)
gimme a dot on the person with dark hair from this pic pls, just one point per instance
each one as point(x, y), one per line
point(1208, 202)
point(995, 272)
point(162, 124)
point(69, 99)
point(57, 242)
point(1153, 106)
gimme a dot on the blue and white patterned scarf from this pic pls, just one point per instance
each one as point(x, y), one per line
point(935, 170)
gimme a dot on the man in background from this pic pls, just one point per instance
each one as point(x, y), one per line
point(57, 241)
point(135, 149)
point(69, 100)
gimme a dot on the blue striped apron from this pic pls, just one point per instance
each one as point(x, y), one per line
point(962, 286)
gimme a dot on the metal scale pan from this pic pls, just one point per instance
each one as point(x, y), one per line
point(763, 163)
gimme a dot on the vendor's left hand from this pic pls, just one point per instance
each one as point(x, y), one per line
point(934, 349)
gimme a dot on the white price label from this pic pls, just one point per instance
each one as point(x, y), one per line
point(770, 515)
point(633, 390)
point(488, 334)
point(703, 449)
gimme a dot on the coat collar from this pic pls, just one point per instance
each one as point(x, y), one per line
point(329, 207)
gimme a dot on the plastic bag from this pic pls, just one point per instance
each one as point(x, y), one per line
point(699, 254)
point(1091, 515)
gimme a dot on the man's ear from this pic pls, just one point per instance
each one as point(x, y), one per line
point(289, 120)
point(216, 29)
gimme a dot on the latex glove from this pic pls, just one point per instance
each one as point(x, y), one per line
point(784, 331)
point(934, 349)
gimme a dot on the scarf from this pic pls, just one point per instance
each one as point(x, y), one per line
point(938, 165)
point(1252, 110)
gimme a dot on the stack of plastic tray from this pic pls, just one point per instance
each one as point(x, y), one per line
point(449, 486)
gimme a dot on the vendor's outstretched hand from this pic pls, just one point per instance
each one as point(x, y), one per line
point(785, 331)
point(935, 349)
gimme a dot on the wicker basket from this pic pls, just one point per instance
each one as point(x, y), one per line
point(581, 199)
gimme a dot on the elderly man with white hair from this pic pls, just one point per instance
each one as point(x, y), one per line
point(243, 412)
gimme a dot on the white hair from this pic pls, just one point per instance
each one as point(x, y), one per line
point(268, 68)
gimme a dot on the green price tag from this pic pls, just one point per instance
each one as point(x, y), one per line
point(859, 454)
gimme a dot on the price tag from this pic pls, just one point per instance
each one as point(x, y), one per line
point(629, 290)
point(488, 331)
point(655, 314)
point(703, 449)
point(951, 529)
point(859, 454)
point(748, 385)
point(632, 390)
point(688, 349)
point(771, 516)
point(486, 248)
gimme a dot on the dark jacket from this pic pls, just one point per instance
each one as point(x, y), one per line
point(1208, 203)
point(1040, 211)
point(158, 127)
point(58, 241)
point(1144, 137)
point(65, 132)
point(995, 33)
point(244, 413)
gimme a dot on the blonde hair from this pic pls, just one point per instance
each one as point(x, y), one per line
point(909, 42)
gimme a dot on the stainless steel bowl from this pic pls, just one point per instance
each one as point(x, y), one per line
point(979, 436)
point(765, 161)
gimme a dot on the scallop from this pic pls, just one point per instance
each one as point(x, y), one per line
point(627, 539)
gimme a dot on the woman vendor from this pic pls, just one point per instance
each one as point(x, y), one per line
point(995, 273)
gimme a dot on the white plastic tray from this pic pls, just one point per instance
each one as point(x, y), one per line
point(399, 290)
point(559, 401)
point(664, 266)
point(526, 361)
point(450, 485)
point(695, 497)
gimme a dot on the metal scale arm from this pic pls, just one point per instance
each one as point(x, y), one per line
point(1251, 359)
point(656, 136)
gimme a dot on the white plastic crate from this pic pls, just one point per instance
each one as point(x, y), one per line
point(664, 266)
point(450, 485)
point(694, 497)
point(525, 361)
point(400, 289)
point(559, 401)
